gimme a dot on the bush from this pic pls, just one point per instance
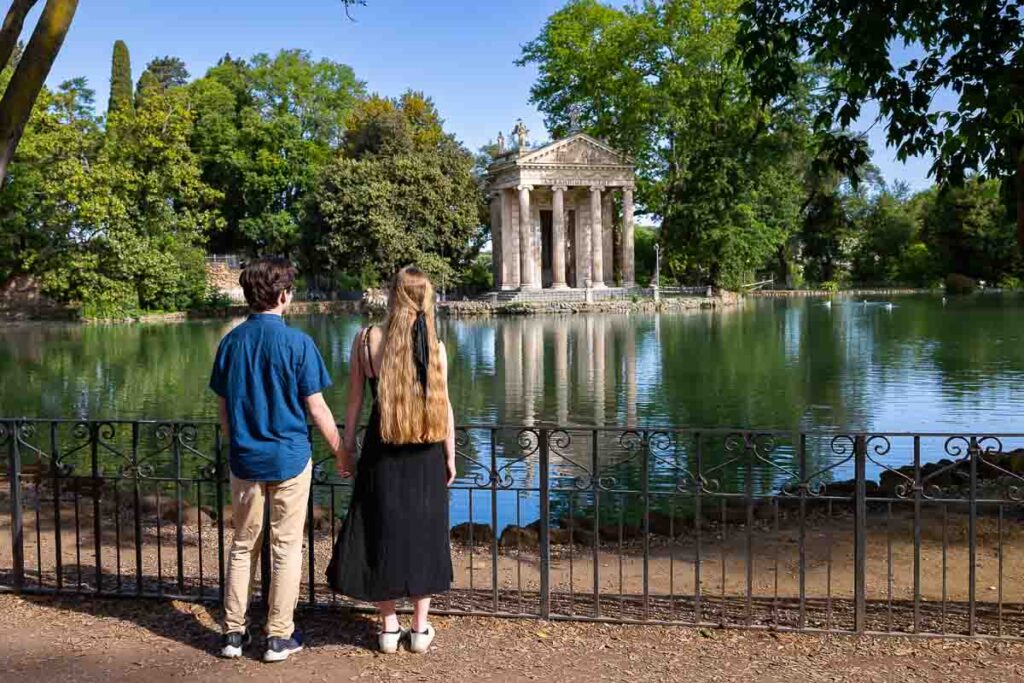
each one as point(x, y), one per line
point(960, 284)
point(1011, 282)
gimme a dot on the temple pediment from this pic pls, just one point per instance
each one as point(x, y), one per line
point(553, 211)
point(580, 149)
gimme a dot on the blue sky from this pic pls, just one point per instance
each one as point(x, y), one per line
point(460, 52)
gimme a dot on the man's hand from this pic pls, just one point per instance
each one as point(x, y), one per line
point(344, 462)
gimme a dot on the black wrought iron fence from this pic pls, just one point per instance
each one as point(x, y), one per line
point(859, 533)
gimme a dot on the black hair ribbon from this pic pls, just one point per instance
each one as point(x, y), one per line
point(420, 350)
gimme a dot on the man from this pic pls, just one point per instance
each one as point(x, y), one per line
point(269, 378)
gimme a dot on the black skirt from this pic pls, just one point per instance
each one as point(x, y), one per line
point(394, 541)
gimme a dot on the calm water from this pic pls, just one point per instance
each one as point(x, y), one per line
point(921, 365)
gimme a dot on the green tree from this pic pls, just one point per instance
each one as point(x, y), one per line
point(383, 206)
point(661, 81)
point(970, 52)
point(112, 220)
point(169, 72)
point(264, 131)
point(888, 251)
point(121, 95)
point(968, 231)
point(147, 85)
point(21, 92)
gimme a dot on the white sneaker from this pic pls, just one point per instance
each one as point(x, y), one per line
point(280, 649)
point(419, 642)
point(233, 643)
point(390, 640)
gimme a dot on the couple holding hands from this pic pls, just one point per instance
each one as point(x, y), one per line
point(269, 378)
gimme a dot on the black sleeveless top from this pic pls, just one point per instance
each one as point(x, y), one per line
point(371, 373)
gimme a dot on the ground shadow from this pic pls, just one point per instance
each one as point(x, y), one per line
point(198, 625)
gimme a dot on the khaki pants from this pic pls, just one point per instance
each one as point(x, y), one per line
point(288, 500)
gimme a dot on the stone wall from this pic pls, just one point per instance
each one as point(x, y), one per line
point(21, 299)
point(684, 303)
point(224, 279)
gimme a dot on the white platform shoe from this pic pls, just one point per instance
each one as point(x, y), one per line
point(419, 642)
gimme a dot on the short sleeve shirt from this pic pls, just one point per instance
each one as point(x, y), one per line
point(265, 370)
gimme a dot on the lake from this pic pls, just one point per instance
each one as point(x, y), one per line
point(913, 364)
point(921, 364)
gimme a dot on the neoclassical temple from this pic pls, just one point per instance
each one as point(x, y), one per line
point(552, 215)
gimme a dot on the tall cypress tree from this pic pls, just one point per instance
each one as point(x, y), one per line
point(120, 79)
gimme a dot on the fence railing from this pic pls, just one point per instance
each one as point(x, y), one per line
point(841, 532)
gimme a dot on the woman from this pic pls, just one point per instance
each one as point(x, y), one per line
point(394, 542)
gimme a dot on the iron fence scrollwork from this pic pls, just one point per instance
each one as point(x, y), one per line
point(849, 532)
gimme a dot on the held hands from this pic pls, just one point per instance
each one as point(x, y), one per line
point(344, 461)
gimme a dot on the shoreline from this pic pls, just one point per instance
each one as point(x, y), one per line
point(454, 309)
point(865, 291)
point(476, 308)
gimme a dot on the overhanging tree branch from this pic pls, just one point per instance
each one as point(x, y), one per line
point(31, 72)
point(13, 23)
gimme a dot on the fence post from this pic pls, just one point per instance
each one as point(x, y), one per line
point(17, 536)
point(545, 521)
point(860, 534)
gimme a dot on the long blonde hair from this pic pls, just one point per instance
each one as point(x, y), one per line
point(406, 415)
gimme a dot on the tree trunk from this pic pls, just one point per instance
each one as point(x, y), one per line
point(11, 29)
point(27, 81)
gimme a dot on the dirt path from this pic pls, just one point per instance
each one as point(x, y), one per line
point(122, 640)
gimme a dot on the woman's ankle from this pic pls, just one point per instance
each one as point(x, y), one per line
point(390, 624)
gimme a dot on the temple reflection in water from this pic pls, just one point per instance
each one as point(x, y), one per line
point(570, 371)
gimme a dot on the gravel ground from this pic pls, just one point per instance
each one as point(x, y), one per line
point(131, 640)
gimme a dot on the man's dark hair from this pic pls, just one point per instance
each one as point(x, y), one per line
point(264, 279)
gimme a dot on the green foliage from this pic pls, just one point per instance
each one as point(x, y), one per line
point(113, 219)
point(479, 274)
point(265, 130)
point(1011, 282)
point(383, 206)
point(970, 232)
point(967, 52)
point(169, 72)
point(121, 95)
point(661, 81)
point(644, 241)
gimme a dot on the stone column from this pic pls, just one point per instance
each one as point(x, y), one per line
point(509, 243)
point(582, 242)
point(526, 275)
point(628, 256)
point(596, 242)
point(497, 265)
point(608, 248)
point(558, 237)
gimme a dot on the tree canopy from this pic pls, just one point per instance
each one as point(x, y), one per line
point(909, 58)
point(403, 192)
point(662, 81)
point(265, 129)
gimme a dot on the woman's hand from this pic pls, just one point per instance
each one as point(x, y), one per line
point(450, 467)
point(343, 462)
